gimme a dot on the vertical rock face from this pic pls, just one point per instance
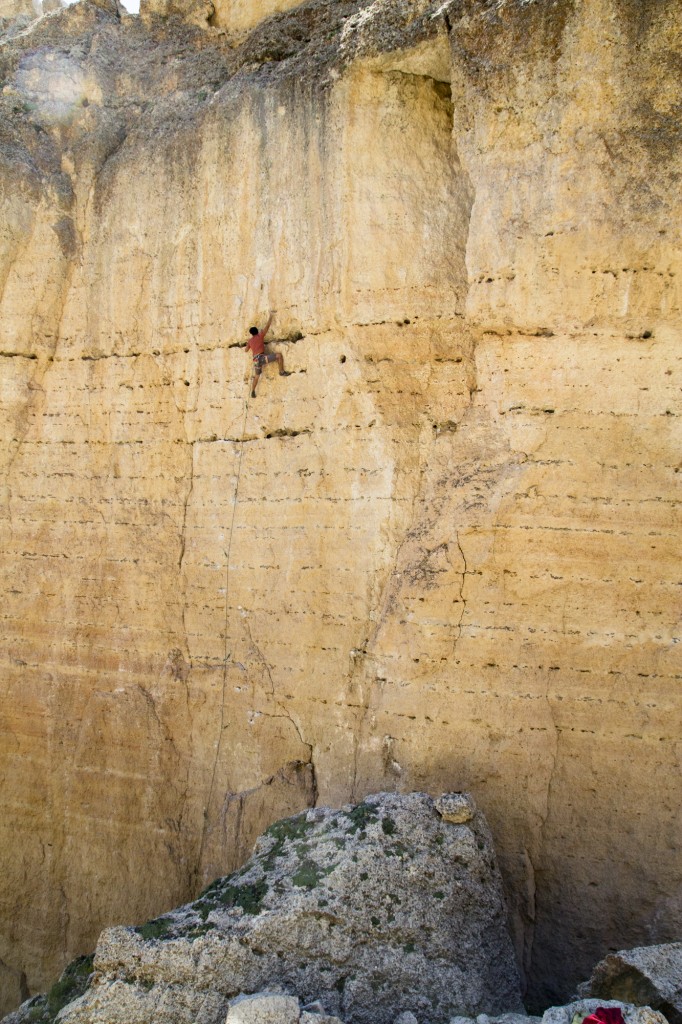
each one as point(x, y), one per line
point(443, 554)
point(16, 15)
point(239, 16)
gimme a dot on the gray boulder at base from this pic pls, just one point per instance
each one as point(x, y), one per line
point(648, 975)
point(571, 1013)
point(271, 1008)
point(503, 1018)
point(374, 910)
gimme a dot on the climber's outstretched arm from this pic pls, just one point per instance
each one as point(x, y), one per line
point(269, 323)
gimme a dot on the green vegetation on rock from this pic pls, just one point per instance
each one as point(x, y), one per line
point(156, 929)
point(198, 930)
point(72, 984)
point(291, 829)
point(309, 874)
point(224, 893)
point(361, 816)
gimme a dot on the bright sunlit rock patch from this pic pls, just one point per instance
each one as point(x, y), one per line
point(52, 83)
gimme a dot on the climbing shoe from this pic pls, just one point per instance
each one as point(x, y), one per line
point(253, 394)
point(285, 373)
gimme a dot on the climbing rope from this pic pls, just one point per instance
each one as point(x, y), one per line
point(226, 653)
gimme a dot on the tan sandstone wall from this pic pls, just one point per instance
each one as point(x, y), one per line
point(443, 554)
point(239, 16)
point(12, 9)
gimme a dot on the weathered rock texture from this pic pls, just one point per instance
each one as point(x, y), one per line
point(240, 15)
point(581, 1008)
point(376, 909)
point(16, 15)
point(650, 976)
point(265, 1008)
point(573, 1013)
point(444, 554)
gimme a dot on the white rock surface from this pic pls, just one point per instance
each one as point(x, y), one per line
point(264, 1008)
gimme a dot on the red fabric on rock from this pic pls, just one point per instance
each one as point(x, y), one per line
point(605, 1015)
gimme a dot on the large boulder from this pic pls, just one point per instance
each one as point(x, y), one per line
point(572, 1013)
point(575, 1012)
point(648, 975)
point(375, 909)
point(274, 1008)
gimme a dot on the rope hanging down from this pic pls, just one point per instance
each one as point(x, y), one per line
point(227, 653)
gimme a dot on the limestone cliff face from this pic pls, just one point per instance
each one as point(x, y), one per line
point(443, 554)
point(241, 15)
point(15, 15)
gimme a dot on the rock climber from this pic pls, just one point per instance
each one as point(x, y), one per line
point(256, 344)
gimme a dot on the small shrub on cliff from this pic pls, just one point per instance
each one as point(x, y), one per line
point(70, 986)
